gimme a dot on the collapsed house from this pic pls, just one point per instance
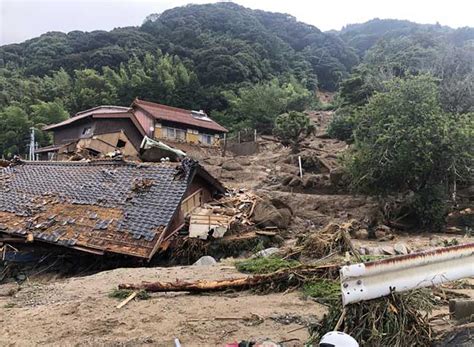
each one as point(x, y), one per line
point(105, 130)
point(100, 130)
point(103, 206)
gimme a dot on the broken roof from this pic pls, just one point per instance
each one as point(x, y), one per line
point(178, 115)
point(98, 206)
point(100, 112)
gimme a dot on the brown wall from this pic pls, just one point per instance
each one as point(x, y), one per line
point(73, 131)
point(195, 185)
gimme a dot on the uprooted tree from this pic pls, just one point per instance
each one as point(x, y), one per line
point(291, 128)
point(405, 142)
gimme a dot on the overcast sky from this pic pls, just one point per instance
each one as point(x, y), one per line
point(24, 19)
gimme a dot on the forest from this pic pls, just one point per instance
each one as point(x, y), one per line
point(244, 67)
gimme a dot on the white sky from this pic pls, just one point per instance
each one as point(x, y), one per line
point(24, 19)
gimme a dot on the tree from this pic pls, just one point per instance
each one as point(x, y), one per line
point(291, 128)
point(15, 131)
point(405, 142)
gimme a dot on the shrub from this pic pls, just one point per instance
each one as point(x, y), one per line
point(291, 128)
point(405, 142)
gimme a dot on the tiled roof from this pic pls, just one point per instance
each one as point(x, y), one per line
point(178, 115)
point(103, 206)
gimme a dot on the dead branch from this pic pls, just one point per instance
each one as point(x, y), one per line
point(287, 276)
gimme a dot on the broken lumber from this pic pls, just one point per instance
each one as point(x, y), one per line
point(127, 300)
point(288, 276)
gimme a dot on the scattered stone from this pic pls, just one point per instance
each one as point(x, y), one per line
point(310, 181)
point(266, 252)
point(382, 231)
point(267, 215)
point(361, 234)
point(295, 182)
point(205, 261)
point(363, 251)
point(244, 161)
point(286, 180)
point(389, 250)
point(336, 176)
point(231, 165)
point(401, 248)
point(374, 251)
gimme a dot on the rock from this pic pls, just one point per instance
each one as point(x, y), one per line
point(266, 252)
point(361, 234)
point(267, 215)
point(205, 261)
point(310, 181)
point(286, 180)
point(374, 251)
point(295, 182)
point(363, 251)
point(336, 176)
point(401, 248)
point(389, 250)
point(381, 231)
point(231, 165)
point(244, 161)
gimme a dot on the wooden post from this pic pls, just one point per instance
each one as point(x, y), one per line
point(255, 135)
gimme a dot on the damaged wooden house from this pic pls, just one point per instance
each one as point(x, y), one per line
point(102, 206)
point(104, 130)
point(100, 130)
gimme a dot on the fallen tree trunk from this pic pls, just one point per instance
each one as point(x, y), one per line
point(290, 276)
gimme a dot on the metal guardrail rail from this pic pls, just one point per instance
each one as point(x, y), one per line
point(375, 279)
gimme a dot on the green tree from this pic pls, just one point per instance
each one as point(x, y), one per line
point(291, 128)
point(14, 134)
point(405, 142)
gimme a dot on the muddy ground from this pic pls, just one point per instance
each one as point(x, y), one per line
point(78, 312)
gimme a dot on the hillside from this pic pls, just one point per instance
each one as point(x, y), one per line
point(225, 43)
point(242, 66)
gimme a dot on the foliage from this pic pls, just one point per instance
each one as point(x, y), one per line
point(291, 128)
point(323, 290)
point(258, 106)
point(14, 134)
point(405, 142)
point(122, 294)
point(344, 122)
point(263, 265)
point(399, 319)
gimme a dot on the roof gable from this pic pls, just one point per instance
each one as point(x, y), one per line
point(178, 115)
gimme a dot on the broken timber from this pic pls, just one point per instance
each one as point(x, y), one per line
point(292, 275)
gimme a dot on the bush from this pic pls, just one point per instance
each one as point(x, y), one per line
point(343, 124)
point(405, 142)
point(291, 128)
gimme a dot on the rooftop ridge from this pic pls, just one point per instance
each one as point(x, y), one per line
point(157, 105)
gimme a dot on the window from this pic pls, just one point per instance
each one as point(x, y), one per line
point(86, 131)
point(121, 144)
point(176, 134)
point(206, 139)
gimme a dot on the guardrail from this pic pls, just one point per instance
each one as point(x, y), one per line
point(375, 279)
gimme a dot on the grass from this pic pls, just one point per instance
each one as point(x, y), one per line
point(122, 294)
point(9, 305)
point(324, 290)
point(264, 265)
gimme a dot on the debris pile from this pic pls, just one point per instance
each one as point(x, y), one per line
point(400, 319)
